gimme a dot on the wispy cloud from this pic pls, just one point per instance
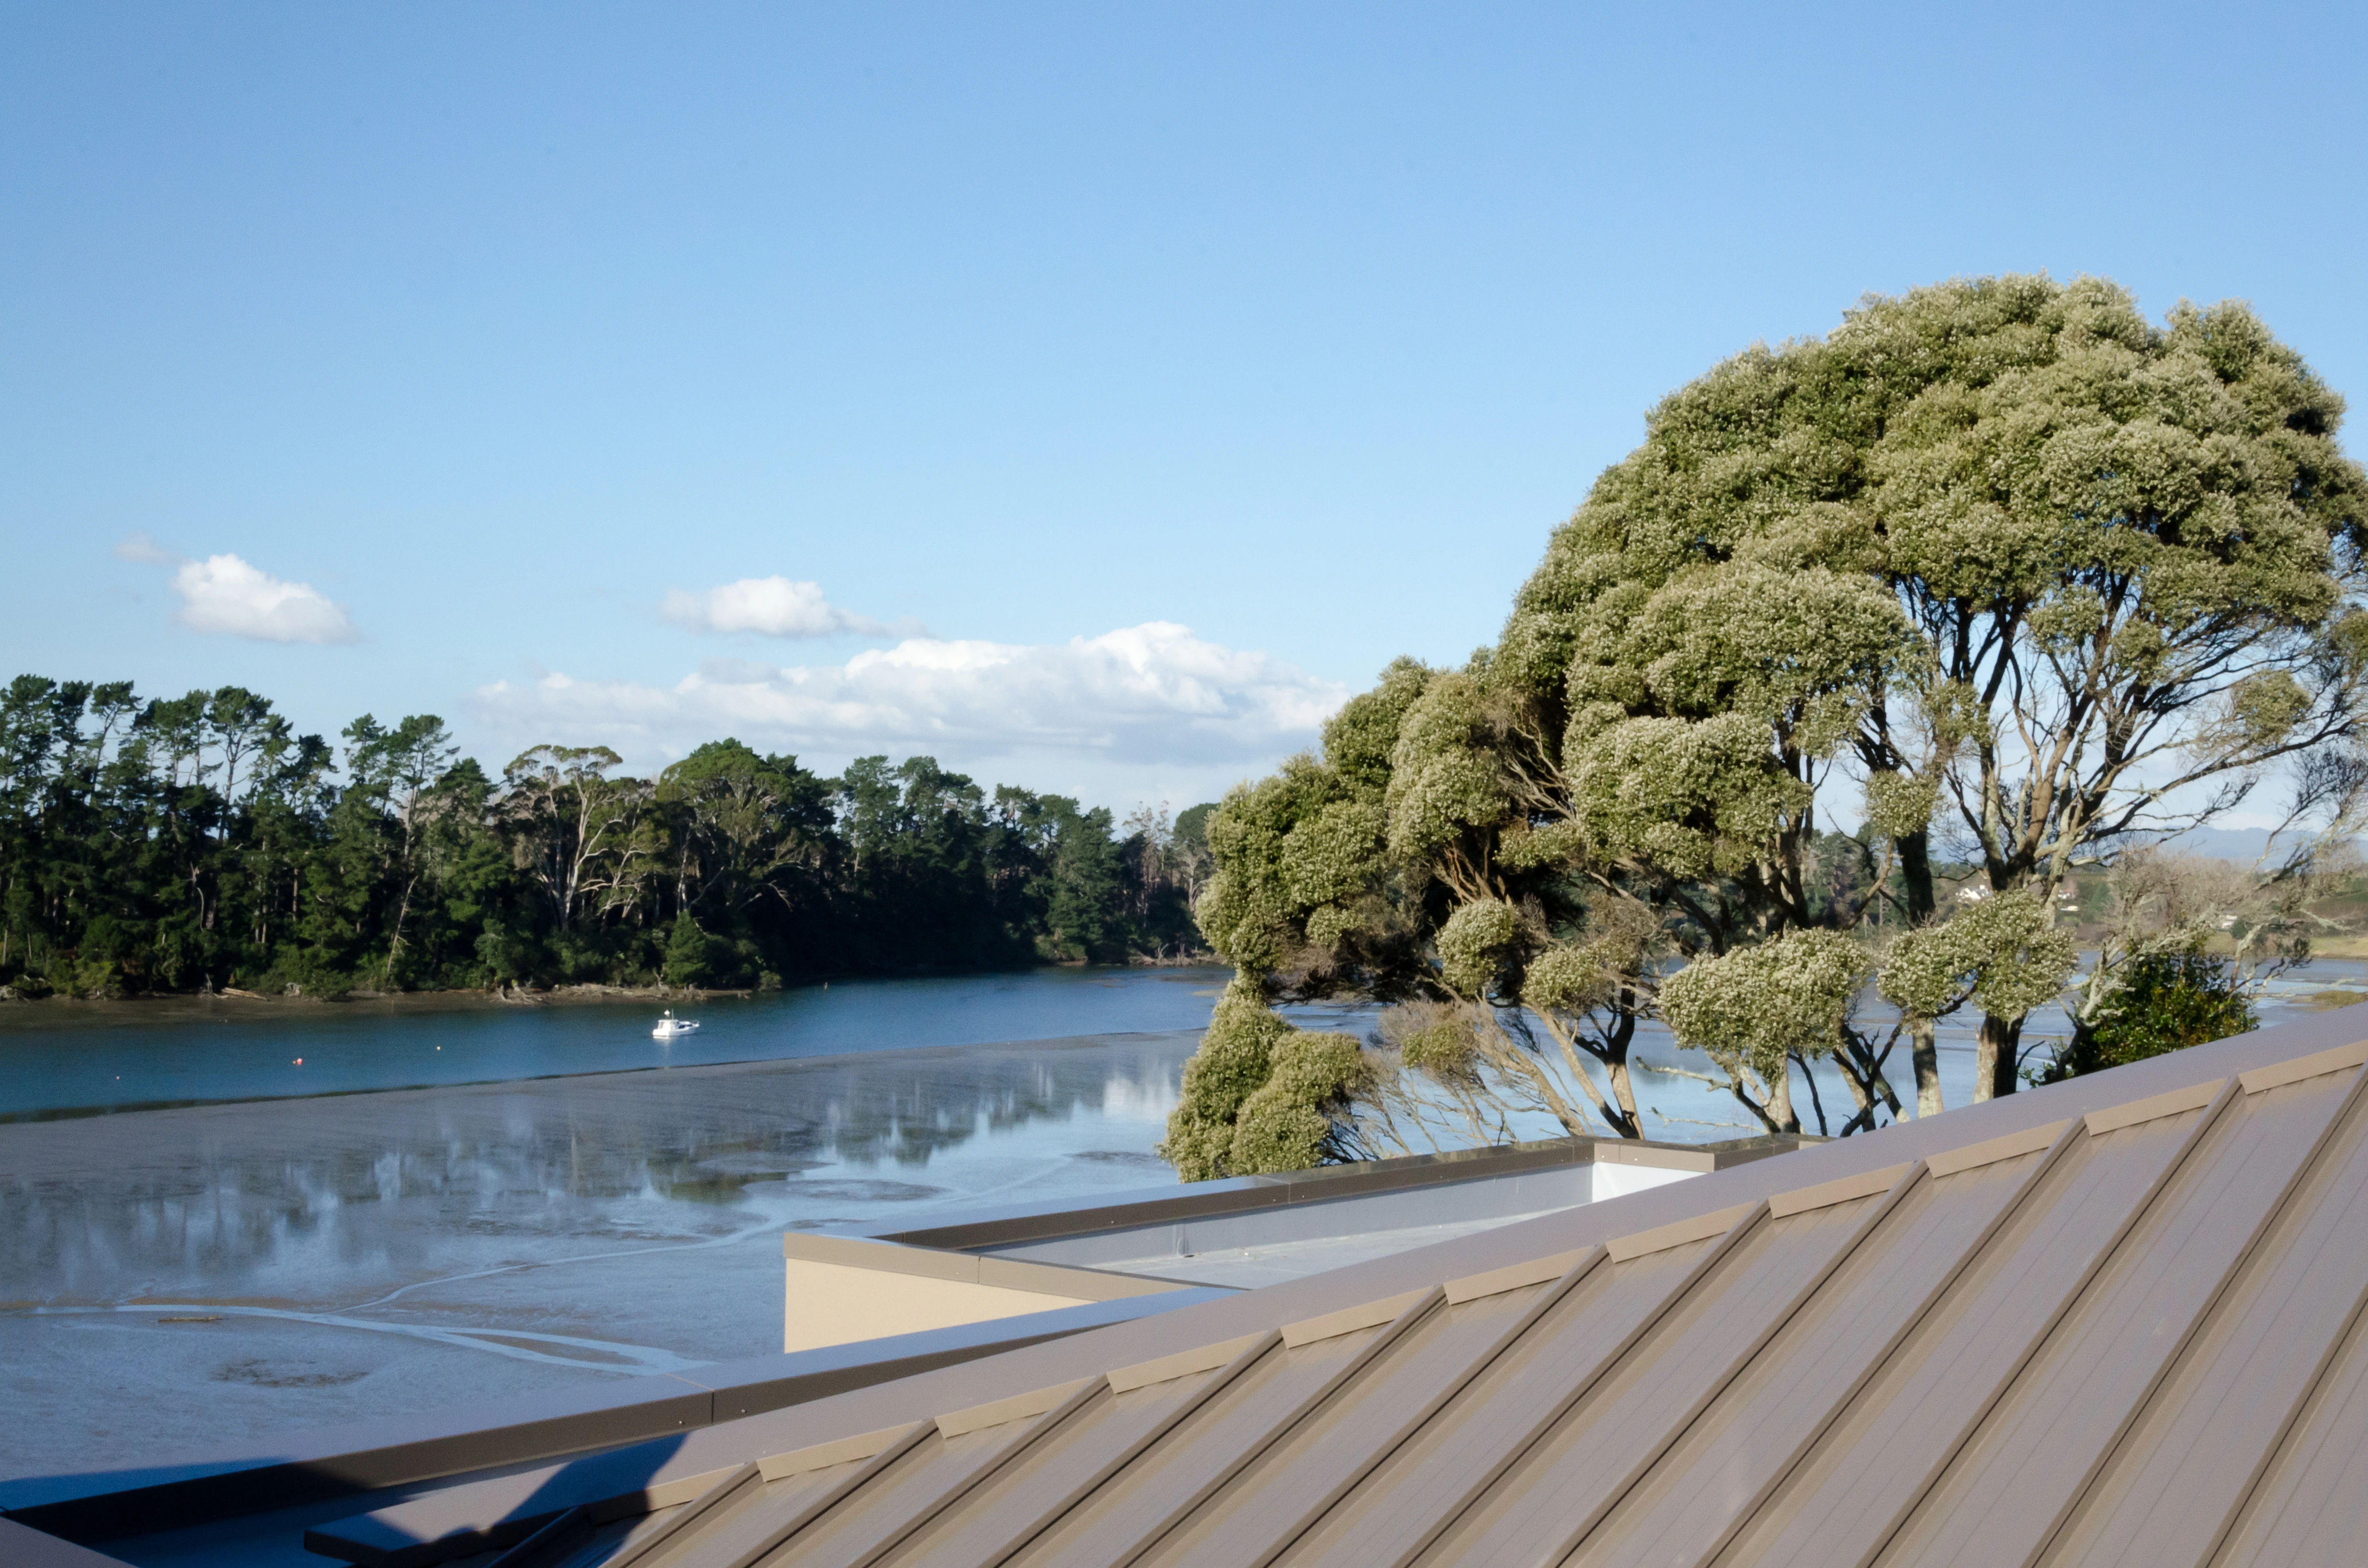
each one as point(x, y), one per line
point(776, 607)
point(1153, 693)
point(223, 594)
point(139, 547)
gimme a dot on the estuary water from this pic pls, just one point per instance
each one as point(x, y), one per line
point(68, 1059)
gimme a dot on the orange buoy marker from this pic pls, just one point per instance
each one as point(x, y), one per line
point(300, 1062)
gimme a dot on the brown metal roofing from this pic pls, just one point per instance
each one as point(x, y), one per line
point(2117, 1324)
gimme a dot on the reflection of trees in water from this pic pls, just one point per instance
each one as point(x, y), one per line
point(385, 1184)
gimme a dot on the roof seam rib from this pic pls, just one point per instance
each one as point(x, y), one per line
point(1415, 1311)
point(2226, 1093)
point(1588, 1260)
point(1905, 1179)
point(2220, 1291)
point(1717, 1253)
point(2065, 1135)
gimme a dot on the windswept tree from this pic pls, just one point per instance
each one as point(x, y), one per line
point(1997, 565)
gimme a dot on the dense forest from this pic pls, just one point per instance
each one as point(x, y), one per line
point(200, 843)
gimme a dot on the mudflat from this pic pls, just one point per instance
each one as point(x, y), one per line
point(168, 1278)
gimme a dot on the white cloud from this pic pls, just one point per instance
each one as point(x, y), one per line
point(776, 605)
point(225, 594)
point(137, 546)
point(1146, 695)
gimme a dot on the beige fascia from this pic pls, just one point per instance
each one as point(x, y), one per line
point(840, 1289)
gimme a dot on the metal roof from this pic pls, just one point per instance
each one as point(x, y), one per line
point(2112, 1322)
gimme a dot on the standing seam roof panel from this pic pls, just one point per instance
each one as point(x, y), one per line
point(1113, 1524)
point(1751, 1436)
point(1258, 1514)
point(882, 1510)
point(2015, 1482)
point(1568, 1347)
point(745, 1517)
point(1581, 1467)
point(1840, 1506)
point(2171, 1491)
point(990, 1524)
point(2311, 1508)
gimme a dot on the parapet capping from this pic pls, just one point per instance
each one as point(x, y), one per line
point(1022, 1223)
point(970, 1268)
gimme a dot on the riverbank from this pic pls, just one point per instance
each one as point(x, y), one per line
point(234, 1001)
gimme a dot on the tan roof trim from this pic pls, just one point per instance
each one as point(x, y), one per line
point(1059, 1280)
point(1990, 1151)
point(683, 1489)
point(865, 1446)
point(888, 1258)
point(1513, 1275)
point(968, 1269)
point(1701, 1227)
point(1349, 1320)
point(729, 1482)
point(1201, 1358)
point(995, 1413)
point(2112, 1119)
point(2279, 1074)
point(1842, 1190)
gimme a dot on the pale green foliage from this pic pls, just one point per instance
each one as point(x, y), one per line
point(1258, 1096)
point(1435, 1039)
point(1755, 1006)
point(1332, 854)
point(1445, 775)
point(1479, 943)
point(1236, 1057)
point(1686, 797)
point(1284, 1125)
point(1360, 738)
point(1899, 804)
point(1568, 980)
point(2006, 952)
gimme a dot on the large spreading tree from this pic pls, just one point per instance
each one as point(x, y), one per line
point(1998, 568)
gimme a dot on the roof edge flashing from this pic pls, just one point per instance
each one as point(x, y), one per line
point(1842, 1190)
point(1349, 1320)
point(2154, 1107)
point(2280, 1073)
point(1678, 1232)
point(1518, 1276)
point(1184, 1363)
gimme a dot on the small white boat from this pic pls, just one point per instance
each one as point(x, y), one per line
point(669, 1025)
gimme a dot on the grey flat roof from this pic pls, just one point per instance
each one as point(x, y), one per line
point(2115, 1321)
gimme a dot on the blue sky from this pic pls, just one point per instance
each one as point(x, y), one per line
point(444, 357)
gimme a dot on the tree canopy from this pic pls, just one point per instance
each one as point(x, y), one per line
point(196, 842)
point(2000, 567)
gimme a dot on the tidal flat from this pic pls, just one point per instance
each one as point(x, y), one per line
point(180, 1277)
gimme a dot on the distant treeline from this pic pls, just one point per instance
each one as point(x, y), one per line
point(177, 844)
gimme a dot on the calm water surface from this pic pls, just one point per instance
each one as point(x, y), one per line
point(59, 1057)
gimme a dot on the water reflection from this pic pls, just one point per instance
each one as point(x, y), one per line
point(312, 1201)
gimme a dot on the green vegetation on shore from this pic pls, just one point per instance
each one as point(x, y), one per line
point(184, 844)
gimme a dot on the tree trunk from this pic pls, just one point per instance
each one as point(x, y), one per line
point(1994, 1056)
point(1915, 871)
point(1927, 1066)
point(1780, 1101)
